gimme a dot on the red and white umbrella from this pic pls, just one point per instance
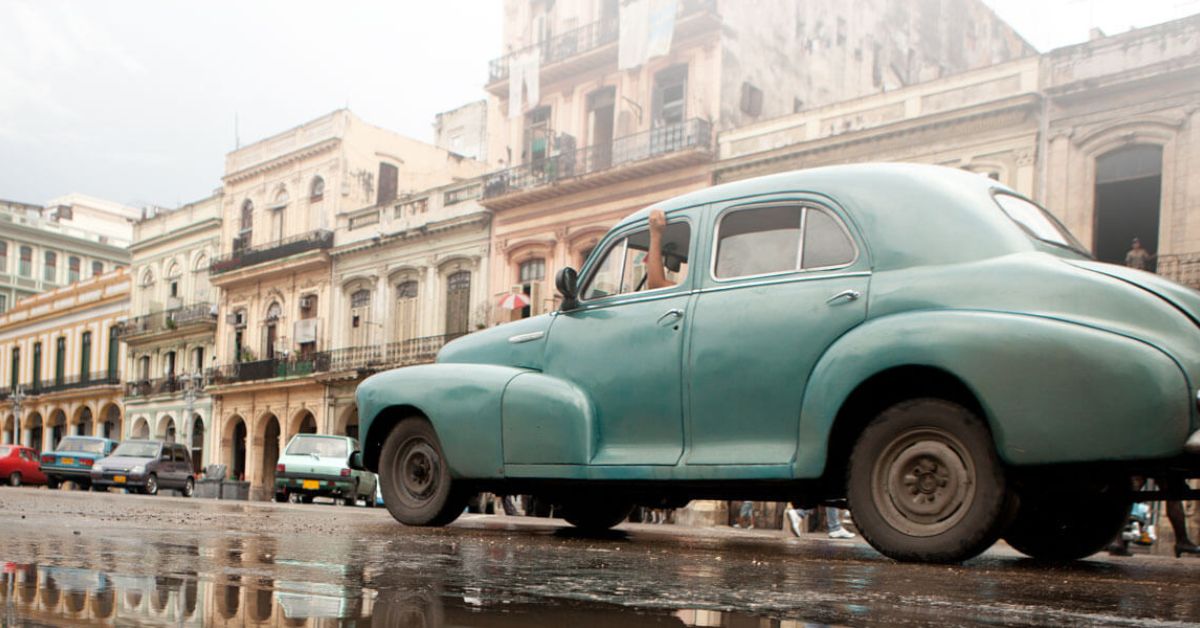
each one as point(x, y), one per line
point(514, 301)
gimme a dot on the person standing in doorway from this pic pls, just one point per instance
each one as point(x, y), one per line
point(1138, 257)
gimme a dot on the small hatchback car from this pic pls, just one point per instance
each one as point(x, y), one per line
point(922, 342)
point(19, 465)
point(73, 459)
point(145, 466)
point(318, 465)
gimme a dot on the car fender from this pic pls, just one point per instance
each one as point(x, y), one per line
point(461, 401)
point(1053, 391)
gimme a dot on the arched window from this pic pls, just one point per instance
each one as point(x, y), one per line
point(147, 278)
point(317, 190)
point(72, 269)
point(406, 310)
point(50, 269)
point(97, 268)
point(278, 214)
point(246, 228)
point(360, 317)
point(271, 337)
point(458, 302)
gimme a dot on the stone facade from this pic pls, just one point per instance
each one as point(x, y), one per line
point(61, 362)
point(170, 334)
point(281, 201)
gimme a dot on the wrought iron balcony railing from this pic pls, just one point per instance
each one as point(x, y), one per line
point(690, 134)
point(580, 40)
point(391, 355)
point(270, 368)
point(79, 380)
point(249, 256)
point(168, 320)
point(162, 385)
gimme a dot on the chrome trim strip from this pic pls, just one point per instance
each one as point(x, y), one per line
point(792, 279)
point(526, 337)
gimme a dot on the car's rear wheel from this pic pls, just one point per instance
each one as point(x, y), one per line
point(281, 497)
point(14, 479)
point(925, 483)
point(189, 487)
point(415, 478)
point(596, 515)
point(151, 485)
point(52, 482)
point(1069, 523)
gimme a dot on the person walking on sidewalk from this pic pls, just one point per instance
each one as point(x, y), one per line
point(833, 521)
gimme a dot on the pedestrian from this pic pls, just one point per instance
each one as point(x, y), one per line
point(833, 521)
point(1138, 257)
point(1175, 514)
point(745, 518)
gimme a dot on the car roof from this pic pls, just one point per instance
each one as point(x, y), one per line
point(909, 214)
point(335, 436)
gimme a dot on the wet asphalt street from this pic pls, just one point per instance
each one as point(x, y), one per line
point(73, 558)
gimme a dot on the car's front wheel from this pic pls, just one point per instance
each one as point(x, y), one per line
point(596, 515)
point(925, 483)
point(1068, 523)
point(415, 478)
point(151, 485)
point(189, 487)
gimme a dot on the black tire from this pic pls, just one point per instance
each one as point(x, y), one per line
point(415, 479)
point(596, 515)
point(151, 485)
point(52, 483)
point(14, 478)
point(350, 501)
point(925, 483)
point(281, 497)
point(1066, 525)
point(189, 487)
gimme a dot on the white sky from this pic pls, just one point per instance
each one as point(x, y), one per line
point(134, 100)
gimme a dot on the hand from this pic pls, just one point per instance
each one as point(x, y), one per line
point(658, 220)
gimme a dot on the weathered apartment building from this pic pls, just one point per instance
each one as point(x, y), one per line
point(282, 303)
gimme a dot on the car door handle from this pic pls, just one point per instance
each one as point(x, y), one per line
point(846, 295)
point(673, 314)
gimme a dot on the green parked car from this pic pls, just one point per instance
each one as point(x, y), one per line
point(922, 342)
point(316, 465)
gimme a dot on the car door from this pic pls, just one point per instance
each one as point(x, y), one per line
point(786, 279)
point(33, 469)
point(623, 346)
point(183, 466)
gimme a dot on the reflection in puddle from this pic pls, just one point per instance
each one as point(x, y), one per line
point(41, 594)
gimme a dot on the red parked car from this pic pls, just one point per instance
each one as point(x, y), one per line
point(19, 465)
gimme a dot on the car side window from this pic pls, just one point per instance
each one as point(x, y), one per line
point(178, 453)
point(826, 243)
point(775, 239)
point(622, 269)
point(758, 241)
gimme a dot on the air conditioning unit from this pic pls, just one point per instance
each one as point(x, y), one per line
point(237, 319)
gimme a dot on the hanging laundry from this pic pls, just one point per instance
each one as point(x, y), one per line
point(524, 71)
point(647, 27)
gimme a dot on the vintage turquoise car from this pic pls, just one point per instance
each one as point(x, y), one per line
point(73, 458)
point(317, 465)
point(922, 342)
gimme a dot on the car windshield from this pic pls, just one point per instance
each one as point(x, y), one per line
point(325, 447)
point(82, 445)
point(137, 450)
point(1038, 223)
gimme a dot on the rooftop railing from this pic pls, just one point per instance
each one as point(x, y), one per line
point(689, 134)
point(244, 256)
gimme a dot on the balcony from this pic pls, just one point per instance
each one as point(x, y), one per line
point(592, 45)
point(77, 381)
point(637, 155)
point(160, 386)
point(196, 315)
point(244, 257)
point(271, 368)
point(391, 355)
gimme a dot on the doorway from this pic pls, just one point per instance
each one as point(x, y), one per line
point(1128, 195)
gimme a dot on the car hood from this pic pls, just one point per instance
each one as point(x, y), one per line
point(124, 462)
point(1184, 299)
point(519, 343)
point(309, 464)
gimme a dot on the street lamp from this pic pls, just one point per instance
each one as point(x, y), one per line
point(190, 383)
point(17, 398)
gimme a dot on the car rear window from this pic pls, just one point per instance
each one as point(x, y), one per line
point(1037, 222)
point(325, 447)
point(81, 444)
